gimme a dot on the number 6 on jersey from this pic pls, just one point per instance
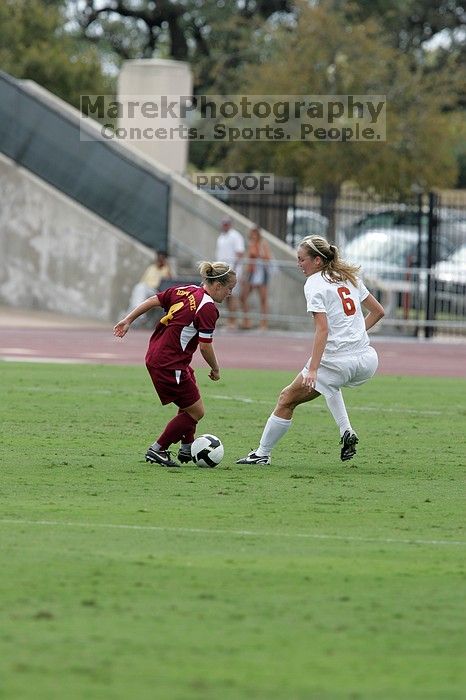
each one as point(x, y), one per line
point(349, 306)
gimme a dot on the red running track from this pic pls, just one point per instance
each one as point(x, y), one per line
point(239, 350)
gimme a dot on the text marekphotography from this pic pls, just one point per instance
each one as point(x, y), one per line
point(276, 118)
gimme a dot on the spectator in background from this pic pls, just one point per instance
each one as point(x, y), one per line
point(230, 249)
point(149, 283)
point(256, 276)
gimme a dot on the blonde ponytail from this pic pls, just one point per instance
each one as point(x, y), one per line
point(334, 269)
point(216, 272)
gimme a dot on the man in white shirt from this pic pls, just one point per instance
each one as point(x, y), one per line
point(230, 249)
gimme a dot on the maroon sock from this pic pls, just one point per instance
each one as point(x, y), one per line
point(179, 426)
point(188, 437)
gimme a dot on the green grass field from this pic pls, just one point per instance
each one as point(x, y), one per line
point(308, 579)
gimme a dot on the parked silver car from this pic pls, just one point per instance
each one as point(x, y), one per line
point(304, 222)
point(449, 279)
point(394, 250)
point(390, 261)
point(451, 222)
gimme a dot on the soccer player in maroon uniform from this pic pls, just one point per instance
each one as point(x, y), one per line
point(189, 321)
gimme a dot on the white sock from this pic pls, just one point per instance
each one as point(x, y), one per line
point(274, 430)
point(155, 446)
point(337, 408)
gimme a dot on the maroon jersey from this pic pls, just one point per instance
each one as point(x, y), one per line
point(190, 316)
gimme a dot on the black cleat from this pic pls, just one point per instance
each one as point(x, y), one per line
point(252, 458)
point(348, 445)
point(162, 457)
point(184, 455)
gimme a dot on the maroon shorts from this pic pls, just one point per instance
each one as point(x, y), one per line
point(175, 386)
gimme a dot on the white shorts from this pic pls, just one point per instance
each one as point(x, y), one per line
point(344, 370)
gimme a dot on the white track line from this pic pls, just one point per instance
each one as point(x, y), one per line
point(48, 360)
point(239, 533)
point(239, 399)
point(17, 351)
point(386, 409)
point(222, 397)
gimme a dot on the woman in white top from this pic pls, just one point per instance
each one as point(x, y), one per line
point(341, 354)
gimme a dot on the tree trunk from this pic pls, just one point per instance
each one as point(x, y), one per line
point(178, 43)
point(328, 208)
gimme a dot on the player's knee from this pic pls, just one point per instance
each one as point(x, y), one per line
point(284, 398)
point(199, 413)
point(196, 413)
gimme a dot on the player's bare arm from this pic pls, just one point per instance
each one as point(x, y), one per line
point(121, 328)
point(208, 353)
point(376, 311)
point(320, 341)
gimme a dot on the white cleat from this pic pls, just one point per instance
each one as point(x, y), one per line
point(252, 458)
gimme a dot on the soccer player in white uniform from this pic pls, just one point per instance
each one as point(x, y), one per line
point(341, 354)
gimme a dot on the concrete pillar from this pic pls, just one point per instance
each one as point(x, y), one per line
point(144, 80)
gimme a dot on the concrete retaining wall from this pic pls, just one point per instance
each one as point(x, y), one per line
point(56, 255)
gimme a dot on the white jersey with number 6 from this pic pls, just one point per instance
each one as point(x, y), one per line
point(341, 301)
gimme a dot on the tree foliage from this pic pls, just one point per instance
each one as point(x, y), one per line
point(329, 56)
point(431, 32)
point(223, 40)
point(216, 37)
point(271, 46)
point(410, 24)
point(187, 29)
point(34, 45)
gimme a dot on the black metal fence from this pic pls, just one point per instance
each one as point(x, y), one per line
point(412, 250)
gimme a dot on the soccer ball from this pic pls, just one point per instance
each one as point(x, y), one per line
point(207, 451)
